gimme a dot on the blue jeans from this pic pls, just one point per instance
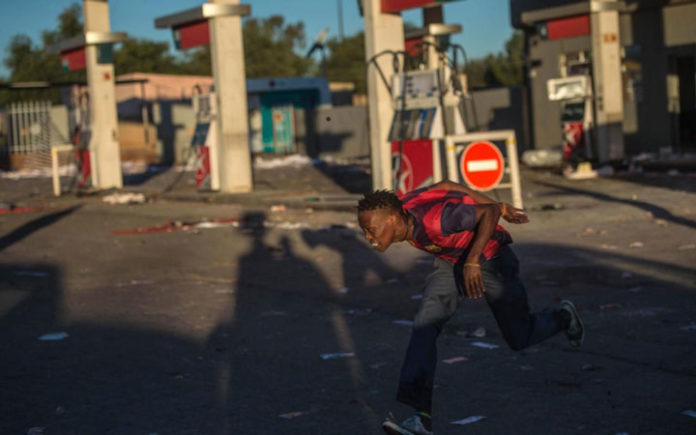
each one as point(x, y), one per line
point(443, 293)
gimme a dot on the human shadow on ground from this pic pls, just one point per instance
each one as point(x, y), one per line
point(35, 225)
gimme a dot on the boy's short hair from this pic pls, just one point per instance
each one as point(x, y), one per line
point(380, 199)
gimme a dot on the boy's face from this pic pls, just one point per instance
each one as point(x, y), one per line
point(379, 226)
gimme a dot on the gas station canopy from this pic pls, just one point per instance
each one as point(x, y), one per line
point(200, 13)
point(89, 38)
point(436, 29)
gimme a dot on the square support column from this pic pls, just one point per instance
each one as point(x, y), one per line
point(382, 32)
point(105, 155)
point(227, 55)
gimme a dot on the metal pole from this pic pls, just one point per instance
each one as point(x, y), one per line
point(513, 164)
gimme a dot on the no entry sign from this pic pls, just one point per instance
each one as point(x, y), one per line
point(482, 165)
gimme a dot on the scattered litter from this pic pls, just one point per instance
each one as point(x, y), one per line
point(589, 231)
point(456, 359)
point(54, 336)
point(554, 206)
point(124, 198)
point(280, 208)
point(479, 332)
point(636, 245)
point(484, 345)
point(295, 161)
point(688, 328)
point(689, 413)
point(403, 322)
point(180, 226)
point(309, 210)
point(626, 275)
point(289, 225)
point(661, 222)
point(609, 247)
point(416, 297)
point(526, 367)
point(343, 290)
point(30, 273)
point(468, 420)
point(688, 246)
point(609, 306)
point(11, 209)
point(291, 415)
point(590, 367)
point(543, 158)
point(36, 431)
point(339, 355)
point(141, 281)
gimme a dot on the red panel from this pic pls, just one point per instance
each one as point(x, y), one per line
point(74, 60)
point(412, 47)
point(193, 35)
point(416, 165)
point(390, 6)
point(568, 27)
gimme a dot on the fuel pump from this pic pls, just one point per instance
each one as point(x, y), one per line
point(204, 141)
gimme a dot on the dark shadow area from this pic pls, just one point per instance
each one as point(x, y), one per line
point(35, 225)
point(353, 178)
point(657, 211)
point(685, 182)
point(166, 131)
point(152, 171)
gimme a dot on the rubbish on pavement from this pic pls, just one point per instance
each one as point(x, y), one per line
point(295, 161)
point(554, 206)
point(294, 414)
point(608, 247)
point(180, 226)
point(479, 332)
point(289, 225)
point(689, 413)
point(688, 246)
point(338, 355)
point(124, 198)
point(661, 222)
point(343, 290)
point(636, 245)
point(456, 359)
point(468, 420)
point(484, 345)
point(54, 336)
point(279, 208)
point(543, 158)
point(589, 231)
point(403, 322)
point(11, 209)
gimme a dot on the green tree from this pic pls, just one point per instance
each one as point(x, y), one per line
point(142, 55)
point(502, 69)
point(346, 61)
point(269, 48)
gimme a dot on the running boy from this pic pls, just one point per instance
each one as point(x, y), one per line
point(460, 227)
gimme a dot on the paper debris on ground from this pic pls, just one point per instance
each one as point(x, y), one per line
point(688, 246)
point(54, 336)
point(689, 413)
point(343, 290)
point(469, 420)
point(456, 359)
point(124, 198)
point(484, 345)
point(294, 414)
point(403, 322)
point(338, 355)
point(279, 208)
point(636, 245)
point(294, 161)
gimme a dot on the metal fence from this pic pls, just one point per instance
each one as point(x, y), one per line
point(29, 127)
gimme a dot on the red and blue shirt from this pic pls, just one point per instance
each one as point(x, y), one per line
point(445, 223)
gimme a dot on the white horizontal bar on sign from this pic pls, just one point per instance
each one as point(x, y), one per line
point(503, 186)
point(482, 165)
point(484, 135)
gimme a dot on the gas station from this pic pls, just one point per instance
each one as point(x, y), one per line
point(418, 133)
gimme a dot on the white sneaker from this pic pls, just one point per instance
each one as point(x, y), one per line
point(576, 330)
point(411, 426)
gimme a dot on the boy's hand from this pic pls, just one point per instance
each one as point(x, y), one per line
point(473, 281)
point(512, 214)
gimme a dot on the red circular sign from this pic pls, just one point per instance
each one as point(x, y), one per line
point(482, 165)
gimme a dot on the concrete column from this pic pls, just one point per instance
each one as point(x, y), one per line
point(227, 55)
point(608, 84)
point(432, 15)
point(382, 32)
point(104, 148)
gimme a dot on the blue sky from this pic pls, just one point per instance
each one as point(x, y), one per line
point(486, 23)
